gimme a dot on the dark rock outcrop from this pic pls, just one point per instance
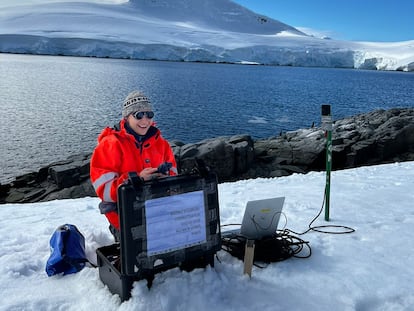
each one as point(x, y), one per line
point(377, 137)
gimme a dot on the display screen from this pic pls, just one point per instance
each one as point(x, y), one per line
point(175, 222)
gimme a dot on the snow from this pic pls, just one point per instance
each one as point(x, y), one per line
point(370, 269)
point(183, 30)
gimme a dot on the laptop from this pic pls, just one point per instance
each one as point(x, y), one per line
point(261, 218)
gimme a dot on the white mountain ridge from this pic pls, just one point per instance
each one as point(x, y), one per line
point(185, 30)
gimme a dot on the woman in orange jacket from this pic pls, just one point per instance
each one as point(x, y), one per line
point(133, 145)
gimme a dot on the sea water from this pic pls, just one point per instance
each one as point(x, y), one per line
point(55, 106)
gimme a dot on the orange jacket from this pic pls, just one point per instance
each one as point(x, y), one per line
point(118, 153)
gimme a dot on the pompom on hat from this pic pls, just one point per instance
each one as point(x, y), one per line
point(135, 101)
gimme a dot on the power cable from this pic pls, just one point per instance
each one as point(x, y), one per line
point(283, 244)
point(345, 230)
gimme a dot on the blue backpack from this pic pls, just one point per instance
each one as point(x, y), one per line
point(67, 246)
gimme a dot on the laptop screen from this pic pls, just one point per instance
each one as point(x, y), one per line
point(261, 218)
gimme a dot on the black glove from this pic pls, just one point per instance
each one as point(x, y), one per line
point(164, 168)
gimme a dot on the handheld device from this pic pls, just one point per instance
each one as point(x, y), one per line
point(164, 168)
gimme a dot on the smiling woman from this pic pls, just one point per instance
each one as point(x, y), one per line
point(134, 145)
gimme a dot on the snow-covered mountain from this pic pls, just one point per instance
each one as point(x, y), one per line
point(184, 30)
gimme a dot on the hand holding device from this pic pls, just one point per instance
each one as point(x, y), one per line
point(164, 168)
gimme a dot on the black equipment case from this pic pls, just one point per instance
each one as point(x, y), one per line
point(146, 249)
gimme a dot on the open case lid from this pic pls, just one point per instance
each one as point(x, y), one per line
point(168, 220)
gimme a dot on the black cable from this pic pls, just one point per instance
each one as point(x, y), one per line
point(281, 245)
point(278, 247)
point(318, 228)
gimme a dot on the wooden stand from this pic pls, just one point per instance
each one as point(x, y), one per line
point(248, 257)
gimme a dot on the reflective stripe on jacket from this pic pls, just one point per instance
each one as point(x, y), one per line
point(117, 154)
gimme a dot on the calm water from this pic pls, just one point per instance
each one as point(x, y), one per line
point(52, 107)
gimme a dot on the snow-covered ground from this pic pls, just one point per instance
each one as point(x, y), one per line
point(184, 30)
point(370, 269)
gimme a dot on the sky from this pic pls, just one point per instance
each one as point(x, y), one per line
point(354, 20)
point(369, 269)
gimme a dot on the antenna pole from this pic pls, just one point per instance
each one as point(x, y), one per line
point(327, 126)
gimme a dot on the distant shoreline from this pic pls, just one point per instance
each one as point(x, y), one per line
point(244, 63)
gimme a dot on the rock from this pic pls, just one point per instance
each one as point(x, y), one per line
point(301, 147)
point(373, 138)
point(381, 136)
point(4, 189)
point(84, 189)
point(70, 172)
point(227, 156)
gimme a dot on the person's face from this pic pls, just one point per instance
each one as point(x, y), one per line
point(140, 121)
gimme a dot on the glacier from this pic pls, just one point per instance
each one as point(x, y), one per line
point(218, 31)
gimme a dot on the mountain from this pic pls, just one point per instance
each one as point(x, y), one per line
point(218, 15)
point(184, 30)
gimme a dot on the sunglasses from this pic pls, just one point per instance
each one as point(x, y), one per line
point(140, 114)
